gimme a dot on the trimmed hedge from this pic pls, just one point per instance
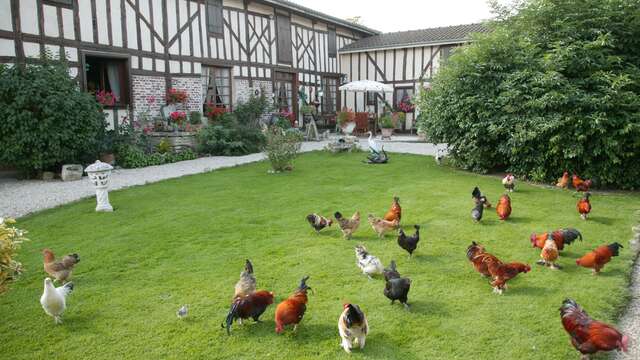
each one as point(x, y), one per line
point(554, 87)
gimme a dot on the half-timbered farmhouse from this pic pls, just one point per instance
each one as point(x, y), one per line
point(219, 51)
point(406, 60)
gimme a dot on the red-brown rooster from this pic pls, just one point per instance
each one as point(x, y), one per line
point(291, 310)
point(584, 206)
point(395, 213)
point(581, 185)
point(249, 306)
point(489, 265)
point(503, 209)
point(590, 336)
point(562, 237)
point(599, 257)
point(563, 182)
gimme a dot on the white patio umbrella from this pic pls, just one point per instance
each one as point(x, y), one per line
point(366, 86)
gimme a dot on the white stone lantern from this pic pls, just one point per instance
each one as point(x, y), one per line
point(99, 174)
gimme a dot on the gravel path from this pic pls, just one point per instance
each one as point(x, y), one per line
point(630, 322)
point(19, 198)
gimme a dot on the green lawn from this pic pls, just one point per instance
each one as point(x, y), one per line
point(185, 241)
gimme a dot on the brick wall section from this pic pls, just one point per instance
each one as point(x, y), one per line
point(193, 87)
point(146, 88)
point(243, 92)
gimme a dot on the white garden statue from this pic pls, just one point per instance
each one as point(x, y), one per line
point(100, 174)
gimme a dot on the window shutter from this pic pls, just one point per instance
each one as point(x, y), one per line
point(284, 39)
point(333, 51)
point(214, 17)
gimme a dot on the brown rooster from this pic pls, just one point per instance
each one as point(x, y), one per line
point(382, 226)
point(581, 185)
point(599, 257)
point(249, 306)
point(59, 270)
point(490, 266)
point(503, 209)
point(291, 310)
point(479, 258)
point(590, 336)
point(562, 237)
point(395, 213)
point(563, 182)
point(501, 273)
point(584, 206)
point(549, 254)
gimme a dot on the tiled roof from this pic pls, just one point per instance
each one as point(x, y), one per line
point(440, 35)
point(305, 10)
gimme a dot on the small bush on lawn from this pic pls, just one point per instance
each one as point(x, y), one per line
point(554, 87)
point(282, 147)
point(10, 240)
point(45, 120)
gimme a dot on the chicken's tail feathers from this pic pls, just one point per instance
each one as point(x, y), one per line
point(570, 307)
point(233, 312)
point(417, 227)
point(337, 215)
point(615, 248)
point(66, 289)
point(311, 218)
point(476, 192)
point(248, 266)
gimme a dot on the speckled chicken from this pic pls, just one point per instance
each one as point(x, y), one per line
point(348, 226)
point(247, 283)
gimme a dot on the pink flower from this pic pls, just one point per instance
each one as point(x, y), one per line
point(151, 99)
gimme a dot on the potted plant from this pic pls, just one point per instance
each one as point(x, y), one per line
point(178, 118)
point(386, 126)
point(346, 121)
point(175, 96)
point(107, 153)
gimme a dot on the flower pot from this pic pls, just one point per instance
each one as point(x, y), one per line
point(108, 158)
point(71, 172)
point(386, 133)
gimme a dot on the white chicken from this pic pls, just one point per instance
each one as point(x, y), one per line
point(509, 182)
point(352, 327)
point(369, 264)
point(54, 300)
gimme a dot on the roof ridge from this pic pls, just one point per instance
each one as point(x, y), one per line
point(432, 28)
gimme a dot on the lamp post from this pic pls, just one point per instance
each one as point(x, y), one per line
point(100, 173)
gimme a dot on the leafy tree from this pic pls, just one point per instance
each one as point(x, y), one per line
point(553, 86)
point(46, 120)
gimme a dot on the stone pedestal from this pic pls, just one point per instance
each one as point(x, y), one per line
point(100, 174)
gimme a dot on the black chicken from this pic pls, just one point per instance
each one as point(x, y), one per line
point(409, 243)
point(477, 196)
point(396, 287)
point(476, 212)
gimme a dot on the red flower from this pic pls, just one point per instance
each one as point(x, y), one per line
point(175, 96)
point(106, 98)
point(178, 117)
point(213, 112)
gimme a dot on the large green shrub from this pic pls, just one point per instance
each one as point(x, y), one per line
point(45, 120)
point(236, 133)
point(554, 87)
